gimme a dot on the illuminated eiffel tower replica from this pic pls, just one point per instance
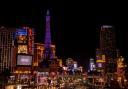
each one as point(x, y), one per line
point(49, 60)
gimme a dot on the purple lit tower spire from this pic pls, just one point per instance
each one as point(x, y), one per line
point(48, 51)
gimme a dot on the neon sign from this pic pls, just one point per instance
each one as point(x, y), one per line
point(21, 32)
point(30, 41)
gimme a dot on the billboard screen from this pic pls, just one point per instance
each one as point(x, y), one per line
point(22, 49)
point(22, 39)
point(24, 60)
point(21, 36)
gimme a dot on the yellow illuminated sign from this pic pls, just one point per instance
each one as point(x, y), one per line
point(101, 61)
point(22, 49)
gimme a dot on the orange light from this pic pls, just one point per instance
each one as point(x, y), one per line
point(16, 72)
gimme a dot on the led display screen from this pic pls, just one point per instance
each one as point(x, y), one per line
point(22, 39)
point(21, 36)
point(24, 60)
point(22, 49)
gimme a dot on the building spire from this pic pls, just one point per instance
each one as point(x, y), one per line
point(48, 51)
point(47, 32)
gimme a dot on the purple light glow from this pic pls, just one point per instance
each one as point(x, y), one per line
point(48, 50)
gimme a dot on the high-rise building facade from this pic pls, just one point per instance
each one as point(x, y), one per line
point(108, 41)
point(6, 45)
point(108, 47)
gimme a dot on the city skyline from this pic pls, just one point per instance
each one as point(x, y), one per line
point(75, 30)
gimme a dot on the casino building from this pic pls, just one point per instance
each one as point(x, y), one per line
point(23, 51)
point(6, 45)
point(39, 53)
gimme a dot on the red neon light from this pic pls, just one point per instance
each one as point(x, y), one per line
point(30, 41)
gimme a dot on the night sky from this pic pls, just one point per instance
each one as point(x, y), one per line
point(75, 25)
